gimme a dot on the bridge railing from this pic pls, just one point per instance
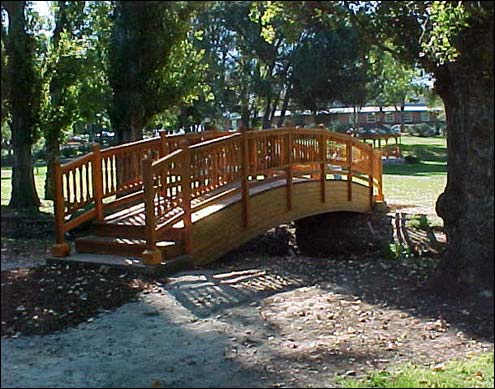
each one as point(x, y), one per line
point(107, 179)
point(174, 184)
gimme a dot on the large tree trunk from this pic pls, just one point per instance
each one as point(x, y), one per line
point(274, 110)
point(285, 105)
point(23, 195)
point(52, 155)
point(128, 113)
point(24, 107)
point(245, 112)
point(466, 205)
point(266, 113)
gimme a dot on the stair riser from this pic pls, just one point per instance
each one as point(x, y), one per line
point(134, 232)
point(173, 251)
point(134, 250)
point(114, 249)
point(123, 231)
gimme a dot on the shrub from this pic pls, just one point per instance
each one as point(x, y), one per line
point(411, 159)
point(422, 129)
point(68, 152)
point(338, 126)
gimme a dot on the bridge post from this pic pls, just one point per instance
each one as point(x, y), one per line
point(245, 176)
point(290, 153)
point(60, 248)
point(370, 174)
point(97, 182)
point(186, 194)
point(349, 169)
point(152, 255)
point(163, 153)
point(323, 163)
point(379, 175)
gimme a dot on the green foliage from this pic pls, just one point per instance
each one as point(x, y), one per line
point(391, 82)
point(399, 251)
point(446, 20)
point(472, 373)
point(420, 221)
point(63, 68)
point(144, 59)
point(327, 68)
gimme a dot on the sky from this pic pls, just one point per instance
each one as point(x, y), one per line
point(43, 7)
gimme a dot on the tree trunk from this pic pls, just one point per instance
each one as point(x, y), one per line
point(266, 113)
point(285, 104)
point(274, 109)
point(402, 125)
point(245, 113)
point(355, 119)
point(23, 195)
point(52, 155)
point(24, 100)
point(466, 206)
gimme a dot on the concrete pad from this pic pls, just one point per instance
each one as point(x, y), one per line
point(131, 264)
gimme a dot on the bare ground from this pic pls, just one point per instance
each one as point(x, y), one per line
point(247, 321)
point(272, 321)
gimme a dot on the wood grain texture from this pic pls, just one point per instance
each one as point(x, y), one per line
point(222, 231)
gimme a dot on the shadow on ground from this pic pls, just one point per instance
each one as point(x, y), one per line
point(207, 292)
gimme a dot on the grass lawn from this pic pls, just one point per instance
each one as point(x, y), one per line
point(472, 373)
point(418, 183)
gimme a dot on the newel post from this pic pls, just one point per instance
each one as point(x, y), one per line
point(97, 182)
point(245, 176)
point(349, 169)
point(323, 163)
point(379, 175)
point(186, 194)
point(290, 154)
point(60, 248)
point(152, 255)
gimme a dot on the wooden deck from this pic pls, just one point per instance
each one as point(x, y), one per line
point(206, 198)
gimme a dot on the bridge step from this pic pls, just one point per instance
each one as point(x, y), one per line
point(129, 247)
point(132, 231)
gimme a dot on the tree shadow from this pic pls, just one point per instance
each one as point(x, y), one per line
point(399, 286)
point(426, 152)
point(139, 345)
point(415, 169)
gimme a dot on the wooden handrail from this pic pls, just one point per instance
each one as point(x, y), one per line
point(76, 162)
point(160, 162)
point(130, 145)
point(215, 141)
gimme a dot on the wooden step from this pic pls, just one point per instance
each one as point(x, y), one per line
point(118, 230)
point(132, 231)
point(128, 247)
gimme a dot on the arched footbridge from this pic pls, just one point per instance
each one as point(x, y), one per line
point(204, 194)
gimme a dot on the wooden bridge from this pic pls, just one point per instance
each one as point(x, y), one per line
point(204, 194)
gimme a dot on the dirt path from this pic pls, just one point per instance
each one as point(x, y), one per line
point(261, 322)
